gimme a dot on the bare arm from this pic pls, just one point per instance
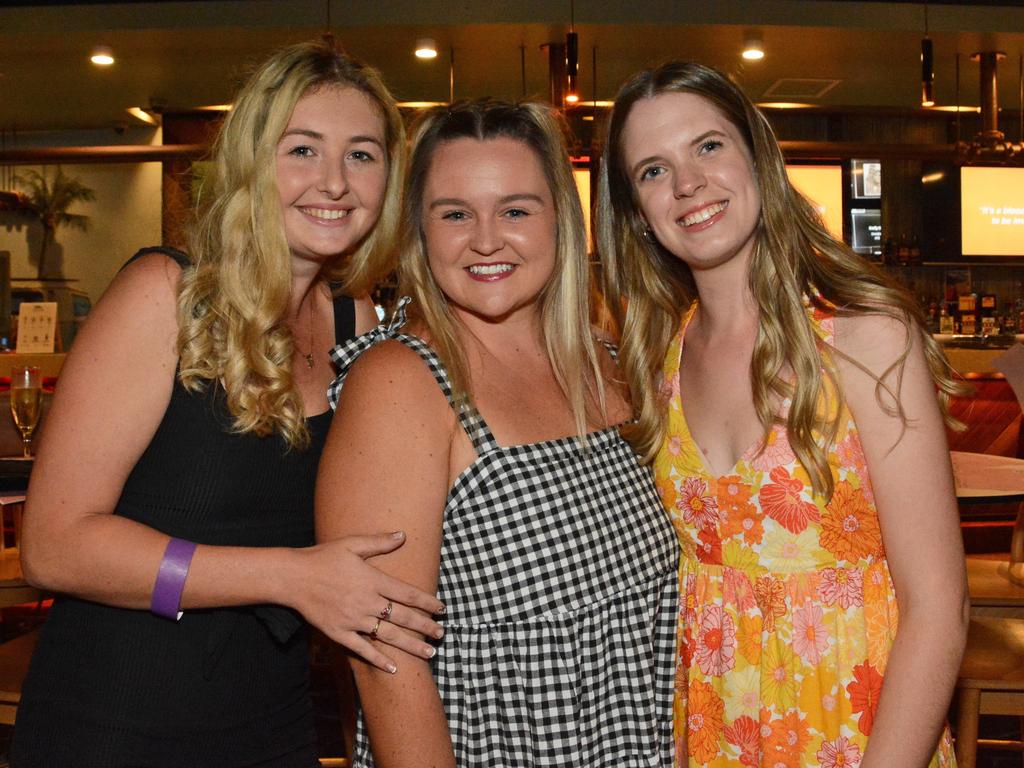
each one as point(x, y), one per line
point(913, 487)
point(113, 391)
point(386, 463)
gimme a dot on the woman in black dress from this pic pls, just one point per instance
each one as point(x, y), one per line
point(192, 411)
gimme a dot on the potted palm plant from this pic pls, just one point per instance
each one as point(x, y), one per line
point(48, 201)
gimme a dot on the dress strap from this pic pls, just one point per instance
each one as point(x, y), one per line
point(180, 257)
point(345, 354)
point(344, 317)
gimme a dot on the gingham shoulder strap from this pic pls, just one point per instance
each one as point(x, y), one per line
point(345, 354)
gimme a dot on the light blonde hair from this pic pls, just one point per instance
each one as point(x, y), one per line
point(233, 301)
point(795, 261)
point(564, 301)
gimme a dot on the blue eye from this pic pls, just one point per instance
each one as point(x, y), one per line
point(710, 145)
point(517, 213)
point(301, 151)
point(362, 155)
point(651, 172)
point(454, 216)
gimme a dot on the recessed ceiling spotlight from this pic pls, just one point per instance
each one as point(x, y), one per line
point(753, 46)
point(426, 48)
point(139, 113)
point(102, 56)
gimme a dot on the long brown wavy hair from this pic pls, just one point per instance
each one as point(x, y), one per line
point(233, 301)
point(795, 261)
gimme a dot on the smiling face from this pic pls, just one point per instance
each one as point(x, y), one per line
point(332, 169)
point(489, 227)
point(693, 178)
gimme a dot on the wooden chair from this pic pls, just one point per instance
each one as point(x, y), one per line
point(991, 682)
point(15, 656)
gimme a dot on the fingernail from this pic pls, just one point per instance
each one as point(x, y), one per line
point(398, 535)
point(431, 652)
point(441, 610)
point(392, 668)
point(438, 633)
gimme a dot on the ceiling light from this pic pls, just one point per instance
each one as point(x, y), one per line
point(420, 104)
point(927, 73)
point(141, 114)
point(753, 46)
point(426, 48)
point(102, 56)
point(927, 66)
point(572, 68)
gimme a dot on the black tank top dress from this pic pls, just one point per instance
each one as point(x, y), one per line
point(226, 687)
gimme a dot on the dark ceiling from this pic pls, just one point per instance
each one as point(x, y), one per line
point(190, 53)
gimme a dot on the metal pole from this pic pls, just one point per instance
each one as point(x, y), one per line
point(451, 74)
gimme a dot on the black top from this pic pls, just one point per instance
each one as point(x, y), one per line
point(222, 687)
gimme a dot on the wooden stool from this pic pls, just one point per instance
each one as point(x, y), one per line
point(991, 682)
point(15, 656)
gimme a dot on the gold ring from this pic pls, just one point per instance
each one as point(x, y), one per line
point(386, 611)
point(375, 630)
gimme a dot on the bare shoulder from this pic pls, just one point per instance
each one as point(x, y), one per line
point(393, 381)
point(146, 291)
point(155, 275)
point(875, 340)
point(136, 318)
point(875, 346)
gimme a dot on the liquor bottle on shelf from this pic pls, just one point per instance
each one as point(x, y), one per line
point(967, 304)
point(946, 324)
point(989, 326)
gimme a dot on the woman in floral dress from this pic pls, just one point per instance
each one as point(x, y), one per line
point(786, 395)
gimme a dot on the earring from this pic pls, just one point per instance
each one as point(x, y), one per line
point(648, 235)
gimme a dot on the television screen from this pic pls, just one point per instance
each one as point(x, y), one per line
point(866, 231)
point(823, 186)
point(992, 211)
point(866, 179)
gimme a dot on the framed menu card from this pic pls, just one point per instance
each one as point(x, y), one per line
point(37, 326)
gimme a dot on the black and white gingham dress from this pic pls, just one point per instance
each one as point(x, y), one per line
point(558, 570)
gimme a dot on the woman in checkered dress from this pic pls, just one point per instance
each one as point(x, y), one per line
point(487, 432)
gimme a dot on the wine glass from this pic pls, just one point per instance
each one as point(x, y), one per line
point(26, 403)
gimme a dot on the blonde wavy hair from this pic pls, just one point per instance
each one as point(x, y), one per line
point(233, 300)
point(564, 301)
point(795, 261)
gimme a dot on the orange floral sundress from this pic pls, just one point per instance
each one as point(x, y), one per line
point(787, 609)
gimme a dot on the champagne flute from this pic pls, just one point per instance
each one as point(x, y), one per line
point(26, 403)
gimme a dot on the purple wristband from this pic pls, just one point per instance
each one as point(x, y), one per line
point(170, 579)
